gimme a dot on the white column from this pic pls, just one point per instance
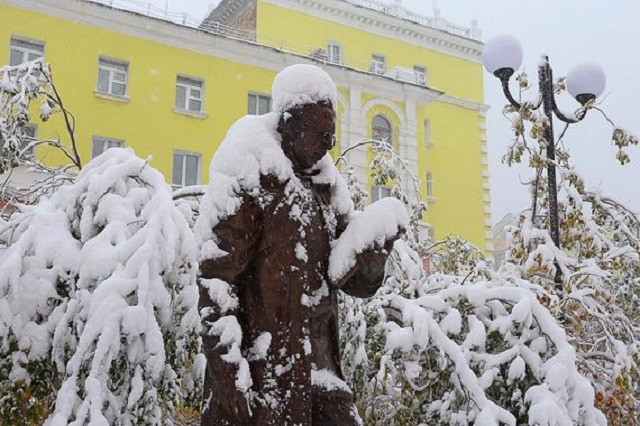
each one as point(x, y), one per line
point(357, 133)
point(408, 141)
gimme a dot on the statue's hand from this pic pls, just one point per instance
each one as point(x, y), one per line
point(364, 279)
point(372, 261)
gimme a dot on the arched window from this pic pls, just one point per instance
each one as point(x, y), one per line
point(381, 129)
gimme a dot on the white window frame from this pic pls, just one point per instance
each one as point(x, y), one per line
point(429, 184)
point(113, 66)
point(30, 49)
point(258, 97)
point(26, 139)
point(332, 58)
point(374, 129)
point(104, 144)
point(420, 74)
point(181, 182)
point(191, 86)
point(425, 231)
point(380, 192)
point(378, 64)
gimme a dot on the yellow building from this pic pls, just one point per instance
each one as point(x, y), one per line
point(172, 90)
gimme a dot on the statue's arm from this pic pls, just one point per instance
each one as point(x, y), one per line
point(237, 235)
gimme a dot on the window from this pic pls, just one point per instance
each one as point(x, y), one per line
point(186, 168)
point(22, 50)
point(420, 74)
point(258, 104)
point(425, 231)
point(378, 192)
point(101, 144)
point(427, 132)
point(377, 64)
point(381, 129)
point(189, 94)
point(335, 53)
point(113, 77)
point(29, 134)
point(429, 187)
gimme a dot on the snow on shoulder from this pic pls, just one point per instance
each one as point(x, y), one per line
point(376, 224)
point(302, 84)
point(252, 148)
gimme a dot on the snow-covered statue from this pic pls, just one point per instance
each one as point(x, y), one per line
point(279, 238)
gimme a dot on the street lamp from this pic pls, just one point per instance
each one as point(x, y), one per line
point(502, 57)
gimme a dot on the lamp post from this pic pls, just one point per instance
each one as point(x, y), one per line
point(502, 57)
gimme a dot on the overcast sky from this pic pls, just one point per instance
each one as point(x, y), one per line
point(569, 32)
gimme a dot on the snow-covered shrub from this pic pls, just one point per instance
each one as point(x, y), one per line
point(19, 86)
point(98, 301)
point(452, 351)
point(27, 90)
point(598, 299)
point(461, 346)
point(595, 297)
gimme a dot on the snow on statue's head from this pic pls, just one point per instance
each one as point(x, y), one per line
point(302, 84)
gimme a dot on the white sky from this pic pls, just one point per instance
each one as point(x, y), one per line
point(569, 32)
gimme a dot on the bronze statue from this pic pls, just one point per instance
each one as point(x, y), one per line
point(268, 268)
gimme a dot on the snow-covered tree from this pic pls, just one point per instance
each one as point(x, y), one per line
point(25, 90)
point(461, 346)
point(98, 302)
point(599, 259)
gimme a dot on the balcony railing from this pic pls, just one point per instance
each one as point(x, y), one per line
point(398, 11)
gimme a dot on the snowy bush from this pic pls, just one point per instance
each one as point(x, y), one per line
point(444, 351)
point(461, 346)
point(19, 86)
point(27, 90)
point(98, 302)
point(596, 298)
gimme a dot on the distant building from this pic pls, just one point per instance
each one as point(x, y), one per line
point(500, 235)
point(172, 89)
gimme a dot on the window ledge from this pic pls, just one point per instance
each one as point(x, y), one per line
point(109, 96)
point(431, 199)
point(200, 115)
point(176, 187)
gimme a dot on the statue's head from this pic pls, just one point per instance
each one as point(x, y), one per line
point(305, 96)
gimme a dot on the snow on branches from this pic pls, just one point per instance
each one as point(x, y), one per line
point(444, 351)
point(98, 301)
point(597, 300)
point(19, 86)
point(26, 89)
point(461, 346)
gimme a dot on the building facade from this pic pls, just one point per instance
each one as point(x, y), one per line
point(171, 90)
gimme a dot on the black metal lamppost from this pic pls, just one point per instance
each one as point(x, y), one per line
point(502, 57)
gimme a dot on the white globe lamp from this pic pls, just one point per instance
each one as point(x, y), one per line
point(502, 55)
point(586, 81)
